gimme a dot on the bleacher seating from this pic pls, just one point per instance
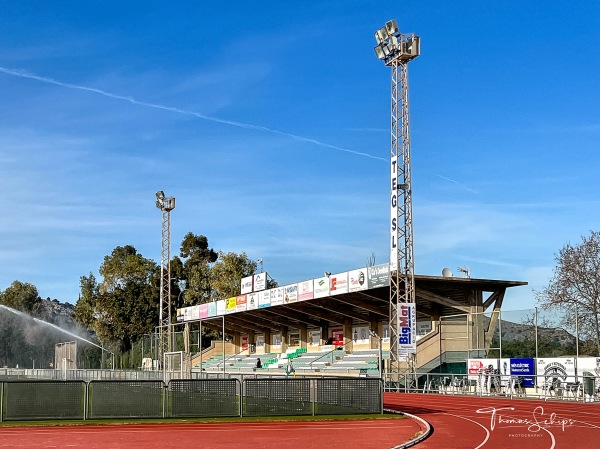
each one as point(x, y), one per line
point(359, 363)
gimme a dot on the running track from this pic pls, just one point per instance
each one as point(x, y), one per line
point(469, 422)
point(368, 434)
point(457, 421)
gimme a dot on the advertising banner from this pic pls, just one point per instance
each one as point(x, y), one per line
point(338, 283)
point(423, 327)
point(195, 313)
point(357, 280)
point(240, 303)
point(290, 293)
point(276, 338)
point(378, 276)
point(477, 367)
point(305, 290)
point(560, 368)
point(212, 309)
point(589, 365)
point(337, 336)
point(407, 329)
point(264, 299)
point(247, 284)
point(260, 281)
point(394, 213)
point(277, 296)
point(252, 302)
point(203, 311)
point(244, 342)
point(524, 367)
point(260, 341)
point(179, 315)
point(321, 287)
point(221, 307)
point(230, 305)
point(360, 335)
point(314, 337)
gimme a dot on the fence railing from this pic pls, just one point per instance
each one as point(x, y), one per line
point(585, 388)
point(26, 400)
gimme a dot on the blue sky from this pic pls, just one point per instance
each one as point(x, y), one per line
point(269, 123)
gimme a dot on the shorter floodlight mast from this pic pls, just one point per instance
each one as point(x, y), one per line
point(166, 204)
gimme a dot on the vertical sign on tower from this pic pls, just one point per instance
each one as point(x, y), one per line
point(394, 214)
point(407, 330)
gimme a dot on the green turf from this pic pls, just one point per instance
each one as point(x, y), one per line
point(115, 422)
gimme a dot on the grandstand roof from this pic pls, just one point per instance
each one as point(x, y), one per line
point(435, 296)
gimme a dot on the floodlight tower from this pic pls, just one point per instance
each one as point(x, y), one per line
point(396, 50)
point(166, 204)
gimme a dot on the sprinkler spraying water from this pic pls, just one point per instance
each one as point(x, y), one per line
point(54, 326)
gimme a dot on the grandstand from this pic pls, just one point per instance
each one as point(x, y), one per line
point(329, 333)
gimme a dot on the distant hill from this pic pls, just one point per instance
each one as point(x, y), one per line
point(515, 332)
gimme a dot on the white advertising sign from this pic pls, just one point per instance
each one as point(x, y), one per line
point(290, 293)
point(478, 367)
point(561, 368)
point(338, 283)
point(321, 287)
point(360, 335)
point(195, 313)
point(247, 284)
point(423, 327)
point(394, 214)
point(252, 301)
point(260, 281)
point(221, 307)
point(277, 296)
point(264, 299)
point(407, 329)
point(306, 290)
point(588, 365)
point(314, 337)
point(357, 280)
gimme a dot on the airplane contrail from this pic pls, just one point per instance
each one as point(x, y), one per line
point(44, 79)
point(456, 182)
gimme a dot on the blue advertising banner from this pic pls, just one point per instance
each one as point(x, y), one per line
point(520, 367)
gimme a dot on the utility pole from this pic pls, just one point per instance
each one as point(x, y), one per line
point(166, 205)
point(396, 50)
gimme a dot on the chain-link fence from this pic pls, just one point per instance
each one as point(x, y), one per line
point(520, 333)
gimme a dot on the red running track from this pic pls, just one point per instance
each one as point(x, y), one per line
point(364, 434)
point(489, 423)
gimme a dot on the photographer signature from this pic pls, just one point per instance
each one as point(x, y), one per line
point(538, 421)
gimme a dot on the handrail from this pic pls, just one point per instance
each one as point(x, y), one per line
point(231, 356)
point(330, 352)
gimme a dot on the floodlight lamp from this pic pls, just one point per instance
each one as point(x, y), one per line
point(378, 38)
point(379, 52)
point(387, 50)
point(160, 195)
point(391, 27)
point(381, 34)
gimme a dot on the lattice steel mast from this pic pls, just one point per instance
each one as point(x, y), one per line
point(396, 50)
point(166, 205)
